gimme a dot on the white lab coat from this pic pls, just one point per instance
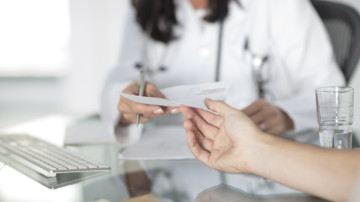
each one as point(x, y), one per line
point(288, 31)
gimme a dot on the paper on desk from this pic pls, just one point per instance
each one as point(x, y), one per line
point(88, 131)
point(161, 142)
point(190, 95)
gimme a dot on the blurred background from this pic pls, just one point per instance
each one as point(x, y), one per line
point(54, 56)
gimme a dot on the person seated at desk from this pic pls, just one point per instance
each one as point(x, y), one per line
point(231, 142)
point(183, 45)
point(274, 52)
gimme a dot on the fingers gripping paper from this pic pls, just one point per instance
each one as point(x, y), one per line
point(189, 95)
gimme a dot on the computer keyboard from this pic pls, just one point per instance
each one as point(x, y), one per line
point(43, 157)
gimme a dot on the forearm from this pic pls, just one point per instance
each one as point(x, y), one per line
point(330, 174)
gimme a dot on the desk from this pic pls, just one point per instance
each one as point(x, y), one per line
point(114, 186)
point(131, 179)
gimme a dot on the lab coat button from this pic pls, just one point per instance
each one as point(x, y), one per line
point(204, 52)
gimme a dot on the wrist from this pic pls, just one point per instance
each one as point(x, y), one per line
point(249, 157)
point(265, 154)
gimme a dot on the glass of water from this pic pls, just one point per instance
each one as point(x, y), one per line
point(335, 113)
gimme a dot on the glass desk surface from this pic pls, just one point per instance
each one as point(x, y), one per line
point(150, 180)
point(183, 180)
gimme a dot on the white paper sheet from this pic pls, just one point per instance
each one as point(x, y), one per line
point(161, 142)
point(190, 95)
point(88, 130)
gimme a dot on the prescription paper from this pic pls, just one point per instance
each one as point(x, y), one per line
point(189, 95)
point(162, 142)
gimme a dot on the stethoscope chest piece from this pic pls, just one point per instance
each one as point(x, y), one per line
point(161, 68)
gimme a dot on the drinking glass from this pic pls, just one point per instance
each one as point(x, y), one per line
point(335, 112)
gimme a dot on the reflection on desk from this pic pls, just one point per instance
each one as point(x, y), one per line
point(60, 179)
point(223, 193)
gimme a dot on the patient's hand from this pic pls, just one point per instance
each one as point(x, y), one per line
point(129, 108)
point(268, 117)
point(225, 142)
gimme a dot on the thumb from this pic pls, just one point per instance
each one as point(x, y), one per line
point(218, 106)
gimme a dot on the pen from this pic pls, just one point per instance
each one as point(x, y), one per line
point(141, 90)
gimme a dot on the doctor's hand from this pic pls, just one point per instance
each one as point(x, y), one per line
point(129, 108)
point(268, 117)
point(224, 142)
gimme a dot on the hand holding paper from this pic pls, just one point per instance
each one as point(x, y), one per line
point(155, 142)
point(129, 109)
point(189, 95)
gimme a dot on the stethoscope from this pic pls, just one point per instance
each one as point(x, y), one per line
point(256, 61)
point(258, 67)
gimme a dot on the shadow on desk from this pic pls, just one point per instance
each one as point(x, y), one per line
point(224, 193)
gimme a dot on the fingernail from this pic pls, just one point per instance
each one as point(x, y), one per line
point(175, 111)
point(158, 111)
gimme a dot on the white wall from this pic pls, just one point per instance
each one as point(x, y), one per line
point(96, 32)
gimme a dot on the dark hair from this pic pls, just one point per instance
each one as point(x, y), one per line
point(157, 17)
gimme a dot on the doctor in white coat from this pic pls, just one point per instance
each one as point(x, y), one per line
point(274, 52)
